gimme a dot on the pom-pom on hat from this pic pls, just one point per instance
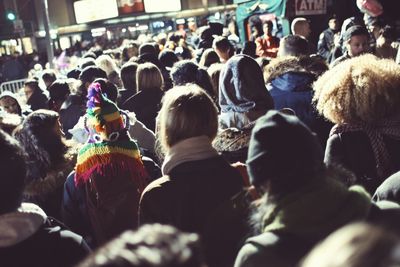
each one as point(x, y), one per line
point(102, 114)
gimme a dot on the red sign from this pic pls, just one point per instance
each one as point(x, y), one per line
point(310, 7)
point(130, 6)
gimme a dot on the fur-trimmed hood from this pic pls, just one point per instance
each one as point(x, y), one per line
point(308, 66)
point(18, 226)
point(39, 189)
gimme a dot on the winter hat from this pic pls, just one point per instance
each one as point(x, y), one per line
point(117, 154)
point(281, 146)
point(353, 31)
point(242, 87)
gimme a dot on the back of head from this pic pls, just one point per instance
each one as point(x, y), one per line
point(59, 90)
point(49, 76)
point(187, 111)
point(364, 90)
point(107, 64)
point(151, 246)
point(208, 58)
point(167, 58)
point(147, 48)
point(283, 153)
point(13, 172)
point(128, 75)
point(249, 49)
point(293, 45)
point(356, 245)
point(222, 43)
point(89, 74)
point(242, 87)
point(74, 73)
point(148, 76)
point(108, 88)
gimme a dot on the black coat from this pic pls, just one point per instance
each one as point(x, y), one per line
point(189, 195)
point(353, 150)
point(145, 104)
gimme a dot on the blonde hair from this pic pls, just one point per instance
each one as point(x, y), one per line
point(187, 111)
point(362, 89)
point(106, 63)
point(148, 76)
point(356, 245)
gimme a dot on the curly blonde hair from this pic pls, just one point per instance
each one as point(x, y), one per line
point(362, 89)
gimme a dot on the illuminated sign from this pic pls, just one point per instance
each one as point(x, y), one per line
point(92, 10)
point(310, 7)
point(152, 6)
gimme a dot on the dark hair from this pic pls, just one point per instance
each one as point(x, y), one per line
point(74, 73)
point(49, 76)
point(33, 84)
point(293, 45)
point(167, 58)
point(88, 75)
point(86, 62)
point(43, 146)
point(128, 76)
point(270, 24)
point(89, 55)
point(223, 44)
point(172, 247)
point(59, 91)
point(208, 58)
point(249, 48)
point(186, 71)
point(354, 31)
point(108, 88)
point(13, 173)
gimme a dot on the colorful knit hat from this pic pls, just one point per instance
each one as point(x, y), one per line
point(115, 156)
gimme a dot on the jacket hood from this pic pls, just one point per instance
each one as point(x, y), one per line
point(293, 82)
point(242, 88)
point(18, 226)
point(311, 66)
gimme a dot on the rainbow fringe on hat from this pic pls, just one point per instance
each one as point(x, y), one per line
point(108, 158)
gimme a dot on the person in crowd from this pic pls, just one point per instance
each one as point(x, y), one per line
point(293, 45)
point(137, 130)
point(303, 201)
point(243, 98)
point(389, 190)
point(362, 100)
point(48, 77)
point(355, 40)
point(167, 60)
point(35, 97)
point(101, 197)
point(188, 122)
point(301, 26)
point(187, 71)
point(214, 72)
point(326, 41)
point(59, 91)
point(267, 45)
point(28, 237)
point(148, 53)
point(356, 245)
point(151, 245)
point(10, 104)
point(74, 106)
point(250, 48)
point(208, 58)
point(131, 49)
point(289, 80)
point(49, 160)
point(146, 103)
point(128, 78)
point(12, 69)
point(386, 44)
point(223, 48)
point(107, 64)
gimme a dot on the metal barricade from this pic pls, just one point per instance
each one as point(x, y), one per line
point(12, 86)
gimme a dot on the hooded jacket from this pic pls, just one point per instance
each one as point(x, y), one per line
point(29, 238)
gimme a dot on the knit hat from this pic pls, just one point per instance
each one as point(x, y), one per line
point(117, 154)
point(242, 87)
point(281, 146)
point(353, 31)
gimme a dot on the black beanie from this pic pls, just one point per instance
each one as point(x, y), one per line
point(281, 146)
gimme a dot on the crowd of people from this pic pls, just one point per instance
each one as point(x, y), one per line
point(200, 151)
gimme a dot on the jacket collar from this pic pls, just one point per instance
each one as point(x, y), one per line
point(18, 226)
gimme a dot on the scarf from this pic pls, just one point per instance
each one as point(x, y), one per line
point(191, 149)
point(110, 159)
point(317, 209)
point(375, 135)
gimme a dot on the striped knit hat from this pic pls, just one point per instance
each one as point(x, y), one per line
point(115, 155)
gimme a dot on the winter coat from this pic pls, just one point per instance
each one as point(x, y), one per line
point(187, 197)
point(29, 238)
point(70, 112)
point(47, 191)
point(353, 150)
point(292, 228)
point(290, 85)
point(145, 104)
point(326, 43)
point(38, 100)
